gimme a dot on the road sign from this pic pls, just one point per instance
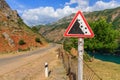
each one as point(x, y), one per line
point(79, 27)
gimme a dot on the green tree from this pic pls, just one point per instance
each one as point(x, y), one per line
point(105, 37)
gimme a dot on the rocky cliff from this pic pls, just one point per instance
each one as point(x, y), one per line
point(13, 29)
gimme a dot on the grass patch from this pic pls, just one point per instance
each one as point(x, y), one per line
point(105, 69)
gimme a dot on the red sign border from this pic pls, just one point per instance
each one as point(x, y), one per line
point(78, 35)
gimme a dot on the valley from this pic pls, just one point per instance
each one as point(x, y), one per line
point(24, 49)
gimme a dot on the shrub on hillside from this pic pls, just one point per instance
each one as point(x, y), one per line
point(38, 40)
point(35, 29)
point(22, 42)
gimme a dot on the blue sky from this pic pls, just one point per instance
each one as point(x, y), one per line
point(35, 12)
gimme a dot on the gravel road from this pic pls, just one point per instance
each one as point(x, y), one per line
point(30, 66)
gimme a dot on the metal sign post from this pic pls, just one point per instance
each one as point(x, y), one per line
point(80, 58)
point(81, 29)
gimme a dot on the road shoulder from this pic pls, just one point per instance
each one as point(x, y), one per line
point(34, 70)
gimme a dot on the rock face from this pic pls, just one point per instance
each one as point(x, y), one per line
point(13, 29)
point(9, 39)
point(7, 15)
point(7, 11)
point(4, 5)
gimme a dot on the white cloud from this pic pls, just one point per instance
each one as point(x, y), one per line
point(43, 15)
point(100, 5)
point(71, 2)
point(81, 4)
point(39, 15)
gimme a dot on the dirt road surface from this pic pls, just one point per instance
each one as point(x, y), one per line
point(30, 66)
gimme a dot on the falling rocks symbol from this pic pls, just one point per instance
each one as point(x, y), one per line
point(75, 29)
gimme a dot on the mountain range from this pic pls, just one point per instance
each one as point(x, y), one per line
point(13, 30)
point(54, 31)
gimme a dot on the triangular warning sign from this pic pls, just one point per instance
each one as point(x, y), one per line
point(79, 27)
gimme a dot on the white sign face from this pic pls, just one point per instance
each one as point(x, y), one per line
point(83, 26)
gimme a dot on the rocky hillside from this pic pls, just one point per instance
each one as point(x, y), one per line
point(54, 32)
point(13, 30)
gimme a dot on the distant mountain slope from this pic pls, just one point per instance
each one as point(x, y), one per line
point(13, 29)
point(54, 32)
point(111, 15)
